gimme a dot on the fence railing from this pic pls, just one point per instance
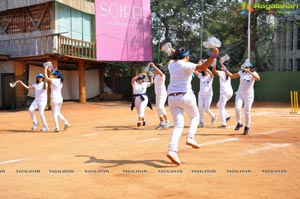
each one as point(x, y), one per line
point(47, 44)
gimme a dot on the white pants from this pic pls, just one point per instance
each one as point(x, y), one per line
point(56, 106)
point(160, 101)
point(223, 99)
point(204, 102)
point(178, 104)
point(141, 105)
point(41, 106)
point(247, 100)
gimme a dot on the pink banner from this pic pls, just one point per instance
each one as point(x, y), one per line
point(123, 30)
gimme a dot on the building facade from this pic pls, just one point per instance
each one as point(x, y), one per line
point(35, 31)
point(287, 45)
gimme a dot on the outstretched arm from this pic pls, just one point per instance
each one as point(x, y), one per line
point(24, 85)
point(232, 76)
point(214, 68)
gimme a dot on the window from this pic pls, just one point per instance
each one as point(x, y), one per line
point(298, 64)
point(292, 37)
point(298, 38)
point(291, 65)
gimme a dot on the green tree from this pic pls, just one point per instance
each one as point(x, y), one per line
point(179, 22)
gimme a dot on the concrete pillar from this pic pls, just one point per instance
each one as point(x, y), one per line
point(81, 78)
point(20, 69)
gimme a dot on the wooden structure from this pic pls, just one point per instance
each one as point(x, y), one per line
point(36, 31)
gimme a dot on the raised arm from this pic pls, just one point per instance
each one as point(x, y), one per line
point(196, 73)
point(214, 68)
point(46, 74)
point(254, 74)
point(151, 76)
point(135, 78)
point(210, 60)
point(210, 73)
point(157, 71)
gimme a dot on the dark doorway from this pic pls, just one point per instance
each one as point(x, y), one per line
point(8, 93)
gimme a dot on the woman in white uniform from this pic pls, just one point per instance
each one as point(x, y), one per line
point(226, 93)
point(160, 95)
point(39, 102)
point(244, 94)
point(205, 95)
point(140, 99)
point(182, 98)
point(56, 83)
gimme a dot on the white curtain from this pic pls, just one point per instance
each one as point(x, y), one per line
point(70, 90)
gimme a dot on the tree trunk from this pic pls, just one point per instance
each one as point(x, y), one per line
point(258, 60)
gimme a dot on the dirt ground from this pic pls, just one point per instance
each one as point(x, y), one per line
point(103, 155)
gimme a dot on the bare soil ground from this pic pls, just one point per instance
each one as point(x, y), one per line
point(103, 155)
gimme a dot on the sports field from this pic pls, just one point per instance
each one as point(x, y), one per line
point(103, 155)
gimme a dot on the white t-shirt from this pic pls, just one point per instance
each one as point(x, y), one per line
point(56, 87)
point(40, 92)
point(205, 84)
point(140, 88)
point(159, 84)
point(225, 84)
point(180, 76)
point(246, 83)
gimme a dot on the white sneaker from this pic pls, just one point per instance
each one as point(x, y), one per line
point(160, 125)
point(45, 128)
point(168, 124)
point(172, 155)
point(193, 143)
point(67, 126)
point(214, 120)
point(56, 130)
point(34, 126)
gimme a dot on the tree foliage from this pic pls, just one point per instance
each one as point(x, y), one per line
point(179, 22)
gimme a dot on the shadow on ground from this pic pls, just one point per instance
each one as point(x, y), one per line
point(116, 163)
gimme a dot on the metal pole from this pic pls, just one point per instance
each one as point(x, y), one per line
point(158, 51)
point(249, 30)
point(201, 31)
point(159, 34)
